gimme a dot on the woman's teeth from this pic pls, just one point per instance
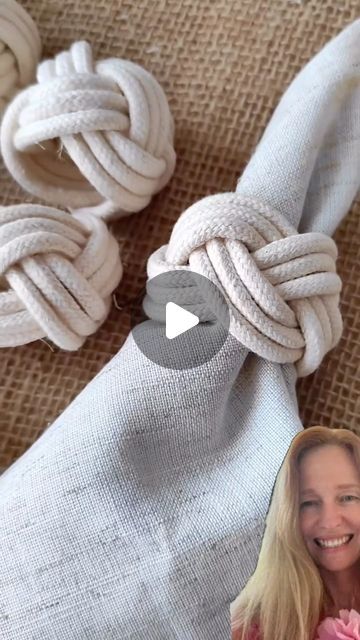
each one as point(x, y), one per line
point(329, 544)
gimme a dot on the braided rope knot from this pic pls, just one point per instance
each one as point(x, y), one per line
point(20, 49)
point(281, 286)
point(56, 275)
point(86, 134)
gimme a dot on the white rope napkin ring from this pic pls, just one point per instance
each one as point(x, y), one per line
point(281, 286)
point(20, 49)
point(57, 273)
point(88, 134)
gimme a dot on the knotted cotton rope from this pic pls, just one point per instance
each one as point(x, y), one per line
point(57, 273)
point(90, 134)
point(20, 49)
point(281, 286)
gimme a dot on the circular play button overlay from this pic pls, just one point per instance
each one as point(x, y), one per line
point(185, 320)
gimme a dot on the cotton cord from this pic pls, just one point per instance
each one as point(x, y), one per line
point(281, 287)
point(88, 134)
point(20, 50)
point(57, 273)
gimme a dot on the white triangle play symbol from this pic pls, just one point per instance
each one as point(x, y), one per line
point(178, 320)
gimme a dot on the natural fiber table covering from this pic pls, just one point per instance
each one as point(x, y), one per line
point(224, 65)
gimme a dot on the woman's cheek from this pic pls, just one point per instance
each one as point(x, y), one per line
point(306, 520)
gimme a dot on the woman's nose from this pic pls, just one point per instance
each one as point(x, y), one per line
point(330, 516)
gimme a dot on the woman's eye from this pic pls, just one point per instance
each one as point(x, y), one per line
point(314, 503)
point(308, 503)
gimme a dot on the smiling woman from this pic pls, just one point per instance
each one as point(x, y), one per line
point(330, 520)
point(309, 564)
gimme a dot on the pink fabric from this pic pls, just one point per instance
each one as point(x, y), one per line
point(346, 627)
point(254, 633)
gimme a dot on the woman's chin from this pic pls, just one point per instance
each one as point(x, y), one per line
point(339, 562)
point(336, 566)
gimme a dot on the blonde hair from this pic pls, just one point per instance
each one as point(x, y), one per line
point(286, 595)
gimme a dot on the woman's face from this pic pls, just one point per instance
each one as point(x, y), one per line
point(330, 507)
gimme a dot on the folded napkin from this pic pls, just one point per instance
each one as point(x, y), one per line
point(139, 513)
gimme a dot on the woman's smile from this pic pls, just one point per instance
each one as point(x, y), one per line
point(334, 544)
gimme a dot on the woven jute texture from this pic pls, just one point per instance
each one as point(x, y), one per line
point(224, 65)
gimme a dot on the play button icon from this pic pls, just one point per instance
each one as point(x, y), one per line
point(184, 321)
point(178, 320)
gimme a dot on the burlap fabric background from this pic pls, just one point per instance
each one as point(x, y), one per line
point(224, 65)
